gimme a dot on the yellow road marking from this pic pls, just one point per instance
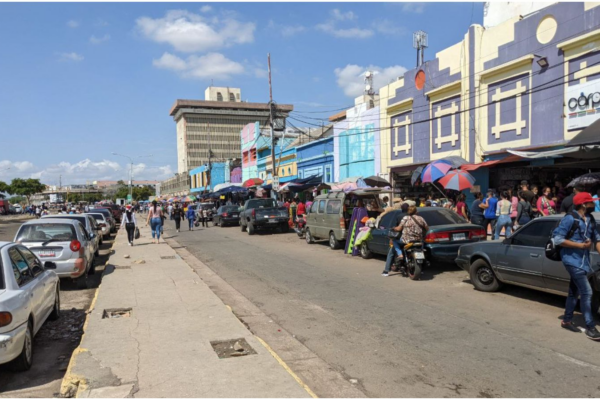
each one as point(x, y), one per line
point(288, 369)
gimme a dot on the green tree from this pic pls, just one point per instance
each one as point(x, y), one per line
point(26, 187)
point(121, 183)
point(3, 189)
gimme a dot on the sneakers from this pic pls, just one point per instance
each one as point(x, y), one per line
point(593, 334)
point(385, 274)
point(130, 243)
point(569, 326)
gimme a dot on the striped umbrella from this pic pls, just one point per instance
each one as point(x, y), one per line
point(434, 171)
point(457, 180)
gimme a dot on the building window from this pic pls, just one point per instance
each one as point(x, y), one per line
point(219, 96)
point(231, 97)
point(289, 171)
point(327, 173)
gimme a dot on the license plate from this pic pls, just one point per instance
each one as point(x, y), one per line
point(419, 255)
point(46, 254)
point(459, 236)
point(271, 221)
point(234, 215)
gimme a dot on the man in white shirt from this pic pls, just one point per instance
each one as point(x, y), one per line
point(170, 211)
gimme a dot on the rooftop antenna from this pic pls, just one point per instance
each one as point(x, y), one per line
point(420, 43)
point(369, 83)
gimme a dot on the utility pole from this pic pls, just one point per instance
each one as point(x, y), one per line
point(271, 107)
point(208, 174)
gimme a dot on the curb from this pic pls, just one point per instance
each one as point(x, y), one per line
point(72, 385)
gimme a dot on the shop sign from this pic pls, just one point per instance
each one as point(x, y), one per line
point(582, 105)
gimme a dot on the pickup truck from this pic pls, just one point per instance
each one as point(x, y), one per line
point(263, 214)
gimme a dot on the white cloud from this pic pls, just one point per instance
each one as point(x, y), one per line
point(82, 171)
point(292, 30)
point(73, 24)
point(332, 27)
point(100, 23)
point(358, 33)
point(206, 9)
point(388, 27)
point(342, 16)
point(70, 57)
point(416, 8)
point(351, 77)
point(211, 65)
point(189, 32)
point(98, 40)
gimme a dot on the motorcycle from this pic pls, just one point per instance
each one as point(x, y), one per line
point(411, 262)
point(300, 226)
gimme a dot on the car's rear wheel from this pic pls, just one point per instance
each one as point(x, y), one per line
point(483, 277)
point(55, 314)
point(92, 269)
point(214, 222)
point(250, 229)
point(25, 359)
point(242, 227)
point(364, 251)
point(333, 243)
point(308, 237)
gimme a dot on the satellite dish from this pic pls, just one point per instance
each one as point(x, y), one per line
point(368, 74)
point(368, 88)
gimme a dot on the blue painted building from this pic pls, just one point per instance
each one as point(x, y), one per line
point(199, 177)
point(316, 158)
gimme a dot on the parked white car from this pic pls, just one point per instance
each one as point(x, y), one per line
point(18, 208)
point(29, 294)
point(103, 223)
point(63, 241)
point(89, 223)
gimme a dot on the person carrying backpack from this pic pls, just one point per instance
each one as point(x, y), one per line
point(575, 234)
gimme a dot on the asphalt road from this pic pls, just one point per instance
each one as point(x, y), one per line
point(56, 340)
point(437, 337)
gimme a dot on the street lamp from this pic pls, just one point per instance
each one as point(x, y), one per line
point(130, 172)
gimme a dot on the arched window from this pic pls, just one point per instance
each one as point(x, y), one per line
point(219, 96)
point(231, 97)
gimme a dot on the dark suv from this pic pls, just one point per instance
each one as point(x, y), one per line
point(116, 211)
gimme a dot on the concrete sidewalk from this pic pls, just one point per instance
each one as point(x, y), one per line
point(162, 346)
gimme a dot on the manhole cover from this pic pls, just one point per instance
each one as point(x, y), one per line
point(116, 313)
point(232, 348)
point(168, 257)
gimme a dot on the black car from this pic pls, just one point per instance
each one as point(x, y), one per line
point(447, 232)
point(227, 215)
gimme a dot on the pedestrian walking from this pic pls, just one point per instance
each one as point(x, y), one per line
point(575, 234)
point(204, 213)
point(489, 213)
point(477, 217)
point(178, 215)
point(567, 204)
point(155, 220)
point(523, 210)
point(129, 222)
point(503, 211)
point(514, 201)
point(170, 211)
point(461, 207)
point(191, 217)
point(545, 204)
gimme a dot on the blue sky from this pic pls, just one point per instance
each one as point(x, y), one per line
point(83, 80)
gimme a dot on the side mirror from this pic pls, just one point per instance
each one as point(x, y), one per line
point(506, 241)
point(49, 265)
point(92, 235)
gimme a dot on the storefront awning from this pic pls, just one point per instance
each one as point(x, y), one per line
point(588, 136)
point(574, 152)
point(473, 167)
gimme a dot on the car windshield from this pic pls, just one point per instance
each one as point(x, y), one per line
point(80, 218)
point(441, 217)
point(261, 203)
point(229, 209)
point(98, 217)
point(45, 232)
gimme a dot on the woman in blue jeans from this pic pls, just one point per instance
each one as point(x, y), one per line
point(155, 220)
point(503, 211)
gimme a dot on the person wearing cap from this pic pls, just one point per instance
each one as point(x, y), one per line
point(129, 223)
point(575, 245)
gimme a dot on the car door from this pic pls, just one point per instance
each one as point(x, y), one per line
point(39, 273)
point(32, 289)
point(311, 216)
point(321, 213)
point(380, 240)
point(332, 218)
point(521, 261)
